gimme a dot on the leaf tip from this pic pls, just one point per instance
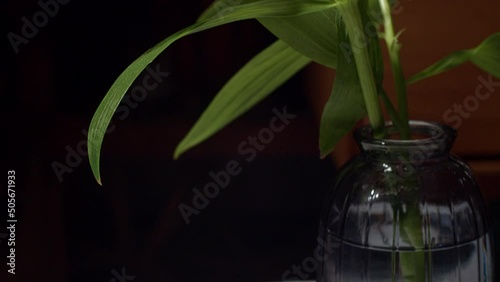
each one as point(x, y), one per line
point(178, 152)
point(323, 155)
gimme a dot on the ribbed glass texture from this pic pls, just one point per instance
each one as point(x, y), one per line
point(406, 211)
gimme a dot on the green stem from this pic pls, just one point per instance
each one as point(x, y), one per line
point(397, 71)
point(393, 114)
point(354, 26)
point(413, 262)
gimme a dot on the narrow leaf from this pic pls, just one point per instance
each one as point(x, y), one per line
point(314, 35)
point(219, 9)
point(486, 56)
point(246, 9)
point(346, 105)
point(449, 62)
point(252, 83)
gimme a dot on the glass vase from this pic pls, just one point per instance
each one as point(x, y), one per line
point(406, 210)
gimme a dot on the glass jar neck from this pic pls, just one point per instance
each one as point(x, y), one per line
point(430, 141)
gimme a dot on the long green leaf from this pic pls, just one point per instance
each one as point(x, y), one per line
point(246, 9)
point(346, 105)
point(451, 61)
point(314, 35)
point(231, 10)
point(486, 56)
point(252, 83)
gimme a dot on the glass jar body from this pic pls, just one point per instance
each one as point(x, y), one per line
point(406, 211)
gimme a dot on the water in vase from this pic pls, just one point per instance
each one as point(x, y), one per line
point(467, 262)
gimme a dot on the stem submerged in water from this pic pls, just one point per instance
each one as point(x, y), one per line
point(412, 263)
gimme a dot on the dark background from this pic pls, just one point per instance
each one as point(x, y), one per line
point(259, 226)
point(264, 222)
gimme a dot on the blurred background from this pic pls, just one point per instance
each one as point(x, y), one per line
point(265, 220)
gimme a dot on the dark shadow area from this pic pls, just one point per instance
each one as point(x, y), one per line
point(71, 229)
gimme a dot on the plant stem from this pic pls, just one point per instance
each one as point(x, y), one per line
point(413, 262)
point(393, 114)
point(397, 71)
point(352, 18)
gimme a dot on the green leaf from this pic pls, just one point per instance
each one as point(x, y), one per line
point(346, 105)
point(246, 9)
point(313, 34)
point(219, 9)
point(252, 83)
point(449, 62)
point(486, 56)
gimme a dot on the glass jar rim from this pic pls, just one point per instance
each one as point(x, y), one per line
point(437, 136)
